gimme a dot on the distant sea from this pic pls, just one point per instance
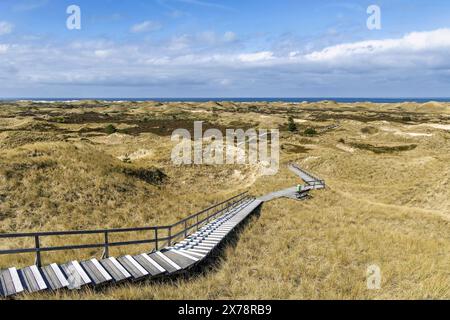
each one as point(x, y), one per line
point(288, 100)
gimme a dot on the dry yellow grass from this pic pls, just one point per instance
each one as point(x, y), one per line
point(390, 208)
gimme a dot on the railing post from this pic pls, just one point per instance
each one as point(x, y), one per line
point(106, 250)
point(170, 236)
point(37, 245)
point(185, 229)
point(156, 239)
point(198, 227)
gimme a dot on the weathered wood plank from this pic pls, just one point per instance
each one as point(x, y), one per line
point(150, 265)
point(115, 269)
point(136, 270)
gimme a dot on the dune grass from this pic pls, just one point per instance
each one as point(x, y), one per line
point(391, 209)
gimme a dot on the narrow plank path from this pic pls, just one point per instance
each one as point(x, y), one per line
point(171, 260)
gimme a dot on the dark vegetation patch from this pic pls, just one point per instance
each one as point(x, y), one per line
point(310, 132)
point(161, 126)
point(39, 126)
point(360, 114)
point(86, 117)
point(383, 149)
point(152, 176)
point(366, 117)
point(19, 169)
point(291, 126)
point(293, 148)
point(19, 138)
point(165, 127)
point(369, 130)
point(110, 129)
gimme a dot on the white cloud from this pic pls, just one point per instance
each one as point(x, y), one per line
point(4, 48)
point(209, 60)
point(102, 53)
point(229, 36)
point(410, 44)
point(146, 26)
point(202, 40)
point(256, 57)
point(5, 27)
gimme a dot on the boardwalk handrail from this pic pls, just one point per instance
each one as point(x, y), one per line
point(192, 222)
point(316, 182)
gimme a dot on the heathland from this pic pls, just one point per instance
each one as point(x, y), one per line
point(94, 164)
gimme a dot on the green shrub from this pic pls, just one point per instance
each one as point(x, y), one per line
point(59, 119)
point(292, 127)
point(407, 119)
point(110, 129)
point(310, 132)
point(152, 176)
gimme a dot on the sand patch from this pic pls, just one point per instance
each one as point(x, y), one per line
point(309, 159)
point(345, 148)
point(140, 154)
point(439, 126)
point(113, 139)
point(406, 134)
point(199, 111)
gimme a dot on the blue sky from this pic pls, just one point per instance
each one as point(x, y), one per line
point(212, 48)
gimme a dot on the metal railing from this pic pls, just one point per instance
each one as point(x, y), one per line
point(316, 182)
point(160, 236)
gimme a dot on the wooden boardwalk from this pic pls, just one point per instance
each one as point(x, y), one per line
point(170, 260)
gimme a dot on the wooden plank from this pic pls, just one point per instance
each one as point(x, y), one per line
point(212, 236)
point(7, 284)
point(169, 261)
point(220, 233)
point(179, 260)
point(136, 265)
point(115, 269)
point(28, 280)
point(204, 245)
point(185, 255)
point(50, 278)
point(149, 264)
point(209, 242)
point(75, 274)
point(204, 248)
point(91, 272)
point(152, 261)
point(120, 267)
point(10, 283)
point(32, 279)
point(38, 276)
point(58, 273)
point(194, 254)
point(16, 280)
point(101, 269)
point(136, 273)
point(96, 272)
point(81, 272)
point(163, 263)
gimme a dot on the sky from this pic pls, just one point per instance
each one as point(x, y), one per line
point(233, 48)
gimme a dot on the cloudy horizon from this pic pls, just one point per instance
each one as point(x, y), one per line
point(193, 48)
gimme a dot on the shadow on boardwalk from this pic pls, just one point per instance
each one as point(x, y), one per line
point(212, 263)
